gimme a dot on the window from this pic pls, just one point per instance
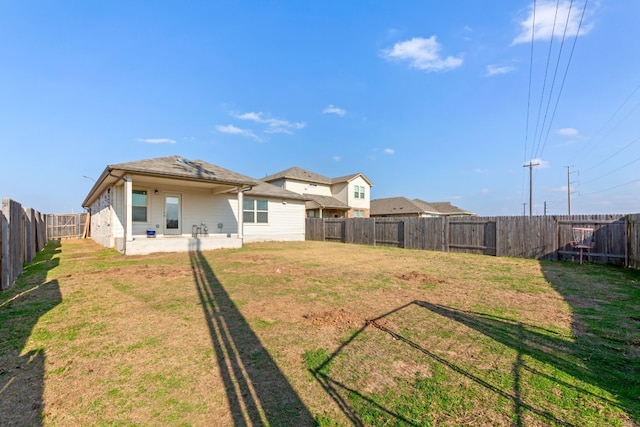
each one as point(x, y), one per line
point(311, 214)
point(139, 205)
point(255, 211)
point(358, 213)
point(358, 191)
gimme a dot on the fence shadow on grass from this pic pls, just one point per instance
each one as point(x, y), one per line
point(605, 306)
point(257, 391)
point(546, 346)
point(22, 375)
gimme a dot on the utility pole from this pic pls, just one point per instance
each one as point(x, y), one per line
point(545, 208)
point(569, 189)
point(524, 209)
point(530, 165)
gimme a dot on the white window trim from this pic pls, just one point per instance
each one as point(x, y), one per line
point(255, 211)
point(146, 190)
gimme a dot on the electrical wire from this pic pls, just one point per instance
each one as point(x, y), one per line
point(613, 171)
point(608, 121)
point(553, 81)
point(546, 73)
point(526, 133)
point(612, 188)
point(614, 154)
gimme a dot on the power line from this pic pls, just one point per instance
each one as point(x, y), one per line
point(546, 72)
point(612, 188)
point(544, 81)
point(526, 133)
point(612, 129)
point(614, 154)
point(566, 71)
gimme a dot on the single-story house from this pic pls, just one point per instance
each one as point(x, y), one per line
point(401, 206)
point(172, 204)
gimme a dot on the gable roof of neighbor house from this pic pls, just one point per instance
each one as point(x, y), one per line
point(327, 202)
point(396, 206)
point(404, 206)
point(168, 167)
point(265, 189)
point(445, 208)
point(299, 174)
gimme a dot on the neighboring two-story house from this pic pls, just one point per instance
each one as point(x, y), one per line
point(343, 197)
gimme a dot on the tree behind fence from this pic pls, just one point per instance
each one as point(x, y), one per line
point(617, 237)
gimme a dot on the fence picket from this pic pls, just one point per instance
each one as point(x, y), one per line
point(540, 237)
point(24, 232)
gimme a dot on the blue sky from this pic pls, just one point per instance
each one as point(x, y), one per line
point(442, 101)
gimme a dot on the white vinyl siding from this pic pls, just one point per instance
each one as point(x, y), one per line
point(364, 194)
point(286, 223)
point(308, 188)
point(198, 207)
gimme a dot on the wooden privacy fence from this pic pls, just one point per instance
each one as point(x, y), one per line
point(25, 231)
point(67, 226)
point(22, 234)
point(617, 237)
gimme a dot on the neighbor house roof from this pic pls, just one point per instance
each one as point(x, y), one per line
point(404, 206)
point(300, 174)
point(327, 202)
point(348, 178)
point(168, 167)
point(396, 206)
point(265, 189)
point(446, 208)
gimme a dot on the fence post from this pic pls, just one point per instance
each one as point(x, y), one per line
point(627, 238)
point(4, 248)
point(445, 234)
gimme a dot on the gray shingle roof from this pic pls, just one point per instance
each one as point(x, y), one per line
point(327, 201)
point(394, 206)
point(299, 174)
point(404, 206)
point(348, 178)
point(169, 167)
point(308, 176)
point(265, 189)
point(445, 208)
point(179, 167)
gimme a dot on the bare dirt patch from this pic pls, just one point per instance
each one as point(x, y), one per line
point(340, 317)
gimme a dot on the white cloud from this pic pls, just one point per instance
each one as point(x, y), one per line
point(538, 163)
point(233, 130)
point(480, 170)
point(485, 191)
point(336, 158)
point(423, 54)
point(389, 151)
point(494, 70)
point(157, 140)
point(278, 130)
point(568, 132)
point(272, 123)
point(545, 16)
point(332, 109)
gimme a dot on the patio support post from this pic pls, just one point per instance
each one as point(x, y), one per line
point(240, 214)
point(128, 199)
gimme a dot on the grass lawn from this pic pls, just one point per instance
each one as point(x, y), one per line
point(314, 333)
